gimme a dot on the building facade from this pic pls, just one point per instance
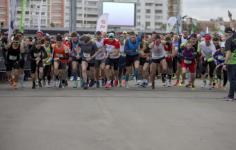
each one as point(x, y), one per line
point(150, 14)
point(4, 12)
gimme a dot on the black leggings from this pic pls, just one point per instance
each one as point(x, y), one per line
point(211, 65)
point(219, 75)
point(47, 72)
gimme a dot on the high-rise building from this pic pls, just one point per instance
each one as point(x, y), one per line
point(174, 8)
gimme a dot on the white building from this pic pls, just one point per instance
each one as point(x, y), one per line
point(151, 15)
point(32, 11)
point(87, 13)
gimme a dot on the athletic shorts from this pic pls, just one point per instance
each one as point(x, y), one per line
point(157, 61)
point(190, 66)
point(99, 62)
point(131, 59)
point(77, 60)
point(12, 65)
point(113, 63)
point(34, 66)
point(142, 61)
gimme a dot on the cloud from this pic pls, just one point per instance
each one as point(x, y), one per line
point(207, 9)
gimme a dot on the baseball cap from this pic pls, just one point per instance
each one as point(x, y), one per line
point(111, 35)
point(207, 37)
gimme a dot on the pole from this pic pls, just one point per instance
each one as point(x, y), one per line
point(72, 24)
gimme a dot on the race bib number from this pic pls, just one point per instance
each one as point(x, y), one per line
point(220, 57)
point(36, 54)
point(59, 55)
point(86, 55)
point(110, 48)
point(13, 58)
point(188, 61)
point(66, 51)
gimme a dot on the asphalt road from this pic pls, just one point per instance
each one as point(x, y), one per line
point(118, 119)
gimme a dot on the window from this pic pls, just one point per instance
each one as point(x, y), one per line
point(158, 11)
point(158, 4)
point(148, 4)
point(147, 24)
point(158, 17)
point(148, 16)
point(79, 21)
point(148, 11)
point(158, 23)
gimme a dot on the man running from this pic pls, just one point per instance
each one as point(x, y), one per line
point(38, 53)
point(131, 49)
point(100, 60)
point(88, 49)
point(112, 46)
point(207, 49)
point(60, 56)
point(158, 57)
point(75, 57)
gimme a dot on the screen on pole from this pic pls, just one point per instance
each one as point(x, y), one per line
point(120, 14)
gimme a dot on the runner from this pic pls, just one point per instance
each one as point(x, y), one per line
point(60, 56)
point(48, 63)
point(144, 59)
point(88, 50)
point(189, 63)
point(170, 53)
point(38, 53)
point(75, 57)
point(219, 57)
point(100, 60)
point(131, 49)
point(182, 40)
point(12, 62)
point(158, 57)
point(112, 46)
point(207, 49)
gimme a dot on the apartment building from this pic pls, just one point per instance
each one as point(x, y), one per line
point(150, 14)
point(87, 13)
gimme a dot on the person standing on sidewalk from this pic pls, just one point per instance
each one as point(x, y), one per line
point(230, 62)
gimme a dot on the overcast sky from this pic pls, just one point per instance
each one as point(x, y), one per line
point(207, 9)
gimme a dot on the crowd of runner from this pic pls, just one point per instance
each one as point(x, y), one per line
point(111, 60)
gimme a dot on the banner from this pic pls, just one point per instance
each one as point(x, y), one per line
point(11, 17)
point(22, 17)
point(102, 23)
point(170, 24)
